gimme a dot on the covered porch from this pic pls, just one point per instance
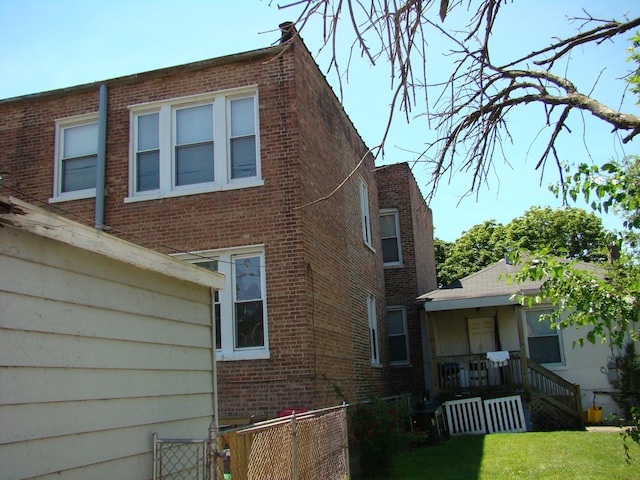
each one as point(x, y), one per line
point(481, 342)
point(464, 376)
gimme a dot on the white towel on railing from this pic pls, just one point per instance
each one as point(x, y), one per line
point(499, 359)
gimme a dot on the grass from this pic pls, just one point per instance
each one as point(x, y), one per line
point(536, 455)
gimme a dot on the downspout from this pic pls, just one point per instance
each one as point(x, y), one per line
point(215, 425)
point(101, 160)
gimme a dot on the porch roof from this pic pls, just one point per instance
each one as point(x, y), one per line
point(481, 289)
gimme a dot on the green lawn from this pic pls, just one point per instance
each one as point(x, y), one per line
point(538, 455)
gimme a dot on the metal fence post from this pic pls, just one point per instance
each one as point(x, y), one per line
point(155, 459)
point(294, 448)
point(345, 426)
point(213, 452)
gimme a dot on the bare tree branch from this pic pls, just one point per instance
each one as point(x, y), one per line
point(471, 108)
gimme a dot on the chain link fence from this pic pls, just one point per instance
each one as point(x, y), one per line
point(306, 446)
point(310, 445)
point(181, 459)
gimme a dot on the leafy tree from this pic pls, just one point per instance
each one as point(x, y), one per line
point(566, 232)
point(478, 247)
point(607, 300)
point(442, 251)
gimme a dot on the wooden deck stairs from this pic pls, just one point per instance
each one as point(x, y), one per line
point(552, 402)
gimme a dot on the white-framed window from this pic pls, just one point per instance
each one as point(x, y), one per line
point(373, 330)
point(543, 342)
point(390, 235)
point(398, 336)
point(366, 217)
point(195, 144)
point(76, 155)
point(241, 308)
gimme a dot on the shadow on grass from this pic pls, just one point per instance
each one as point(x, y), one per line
point(438, 459)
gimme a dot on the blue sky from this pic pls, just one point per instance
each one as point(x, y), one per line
point(47, 44)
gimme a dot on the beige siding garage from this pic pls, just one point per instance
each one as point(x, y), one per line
point(102, 343)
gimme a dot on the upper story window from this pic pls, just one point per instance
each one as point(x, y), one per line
point(76, 154)
point(194, 144)
point(398, 337)
point(373, 330)
point(240, 310)
point(366, 217)
point(544, 342)
point(390, 234)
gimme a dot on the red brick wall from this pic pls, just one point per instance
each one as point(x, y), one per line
point(343, 270)
point(417, 275)
point(317, 267)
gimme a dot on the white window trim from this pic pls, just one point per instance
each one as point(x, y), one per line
point(374, 339)
point(540, 310)
point(228, 352)
point(222, 169)
point(61, 124)
point(403, 309)
point(396, 215)
point(365, 214)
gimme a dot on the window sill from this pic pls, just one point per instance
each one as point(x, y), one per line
point(78, 195)
point(197, 190)
point(401, 365)
point(236, 356)
point(376, 365)
point(393, 265)
point(554, 367)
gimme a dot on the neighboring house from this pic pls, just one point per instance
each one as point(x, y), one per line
point(102, 343)
point(406, 230)
point(247, 165)
point(479, 314)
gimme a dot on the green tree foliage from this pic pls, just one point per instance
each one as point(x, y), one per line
point(566, 232)
point(481, 245)
point(605, 301)
point(442, 250)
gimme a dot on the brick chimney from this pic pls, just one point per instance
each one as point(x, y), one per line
point(287, 31)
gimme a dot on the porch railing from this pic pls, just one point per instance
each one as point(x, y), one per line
point(474, 374)
point(469, 375)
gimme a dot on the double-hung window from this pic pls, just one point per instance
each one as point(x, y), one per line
point(398, 338)
point(364, 210)
point(373, 330)
point(390, 235)
point(240, 310)
point(543, 341)
point(76, 157)
point(195, 144)
point(193, 157)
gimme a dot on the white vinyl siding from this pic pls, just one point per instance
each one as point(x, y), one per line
point(97, 355)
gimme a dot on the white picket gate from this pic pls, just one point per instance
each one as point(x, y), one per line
point(474, 416)
point(505, 415)
point(465, 416)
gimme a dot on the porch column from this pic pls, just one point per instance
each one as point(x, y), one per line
point(523, 351)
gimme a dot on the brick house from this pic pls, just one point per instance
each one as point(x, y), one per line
point(234, 164)
point(406, 225)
